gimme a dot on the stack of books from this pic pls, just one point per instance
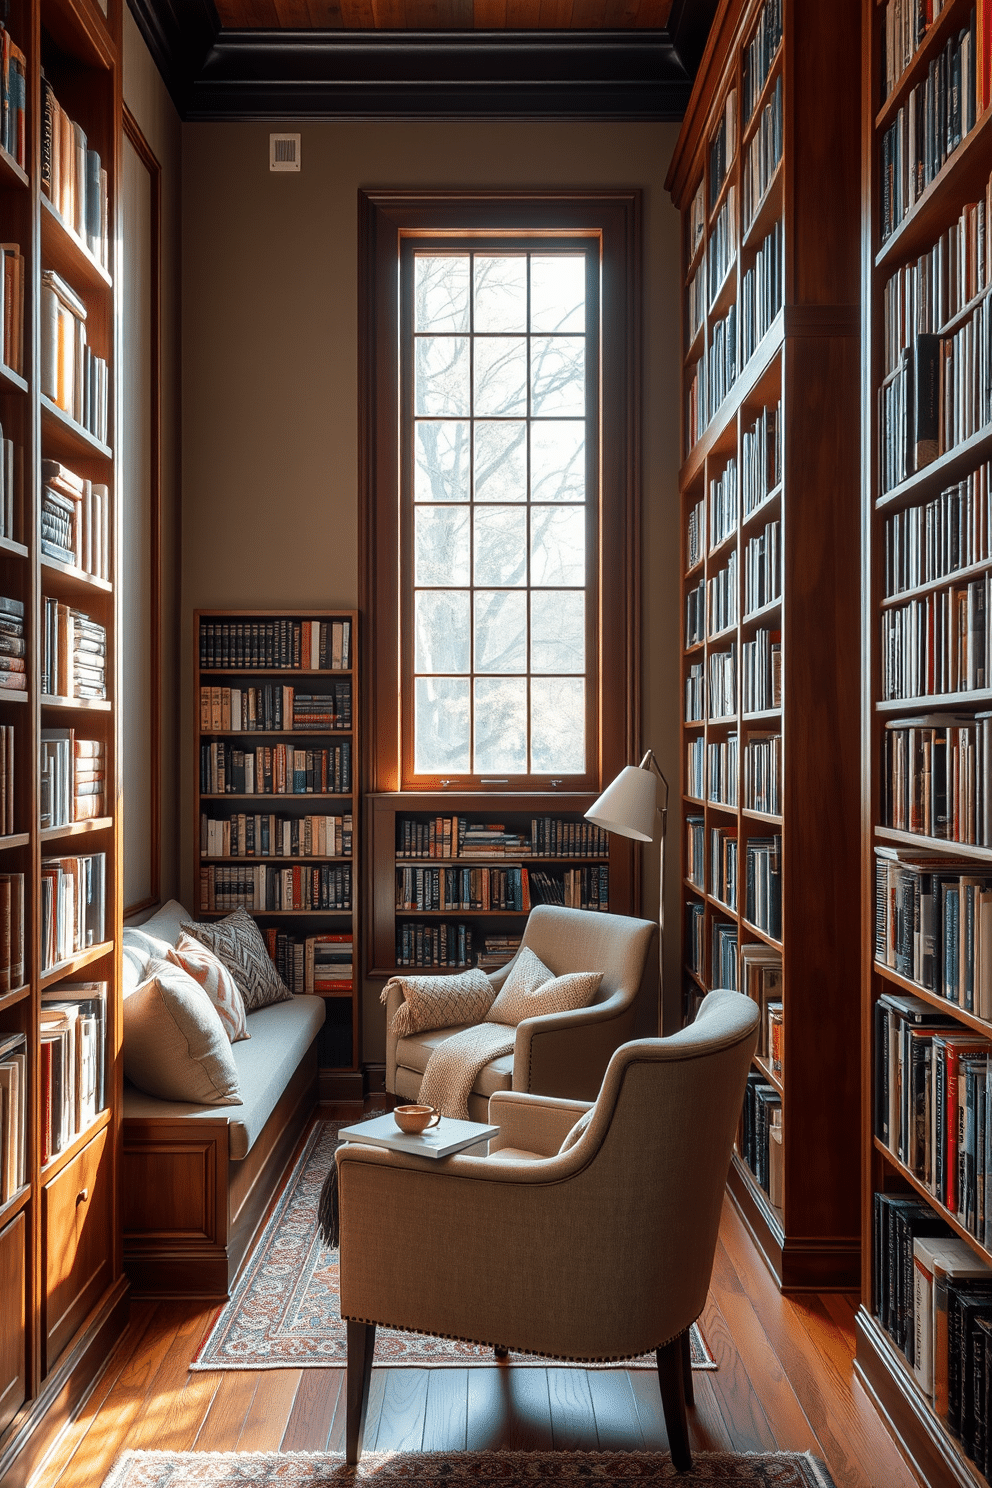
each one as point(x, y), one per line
point(75, 520)
point(74, 655)
point(12, 664)
point(73, 1037)
point(321, 965)
point(73, 778)
point(73, 914)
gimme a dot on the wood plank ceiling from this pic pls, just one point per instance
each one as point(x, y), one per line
point(445, 15)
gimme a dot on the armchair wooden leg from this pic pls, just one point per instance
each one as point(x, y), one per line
point(690, 1389)
point(361, 1348)
point(671, 1377)
point(500, 1351)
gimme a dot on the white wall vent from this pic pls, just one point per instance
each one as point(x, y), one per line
point(284, 152)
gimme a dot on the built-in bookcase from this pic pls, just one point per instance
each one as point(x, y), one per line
point(927, 865)
point(277, 820)
point(60, 824)
point(765, 174)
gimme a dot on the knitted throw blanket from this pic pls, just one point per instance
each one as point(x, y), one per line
point(455, 1064)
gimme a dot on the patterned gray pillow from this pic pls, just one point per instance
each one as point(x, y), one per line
point(237, 942)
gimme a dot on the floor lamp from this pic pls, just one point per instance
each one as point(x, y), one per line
point(629, 807)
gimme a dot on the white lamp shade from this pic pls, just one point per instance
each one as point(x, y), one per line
point(629, 806)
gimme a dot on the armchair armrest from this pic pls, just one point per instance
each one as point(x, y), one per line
point(571, 1050)
point(535, 1123)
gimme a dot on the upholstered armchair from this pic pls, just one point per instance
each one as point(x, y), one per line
point(601, 1252)
point(561, 1053)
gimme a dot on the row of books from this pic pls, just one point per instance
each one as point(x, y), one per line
point(763, 155)
point(922, 296)
point(758, 55)
point(13, 1114)
point(938, 114)
point(724, 955)
point(763, 885)
point(422, 943)
point(7, 766)
point(761, 671)
point(13, 98)
point(695, 536)
point(695, 922)
point(723, 866)
point(577, 888)
point(695, 768)
point(75, 519)
point(320, 964)
point(721, 596)
point(496, 951)
point(73, 906)
point(12, 310)
point(269, 836)
point(695, 693)
point(761, 980)
point(723, 146)
point(12, 660)
point(457, 837)
point(722, 245)
point(510, 889)
point(937, 538)
point(761, 1135)
point(74, 653)
point(12, 970)
point(697, 218)
point(938, 643)
point(695, 614)
point(936, 777)
point(761, 458)
point(261, 888)
point(933, 925)
point(763, 774)
point(273, 708)
point(314, 645)
point(10, 487)
point(906, 24)
point(73, 176)
point(933, 1296)
point(721, 360)
point(72, 1062)
point(695, 850)
point(721, 683)
point(724, 503)
point(73, 778)
point(696, 301)
point(275, 769)
point(722, 764)
point(73, 376)
point(763, 568)
point(763, 290)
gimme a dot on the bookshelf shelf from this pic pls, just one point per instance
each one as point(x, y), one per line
point(8, 545)
point(947, 845)
point(786, 436)
point(65, 434)
point(292, 935)
point(75, 704)
point(14, 996)
point(10, 380)
point(949, 1219)
point(935, 702)
point(12, 174)
point(953, 1010)
point(66, 577)
point(13, 695)
point(15, 839)
point(76, 829)
point(62, 1159)
point(963, 176)
point(941, 472)
point(959, 576)
point(76, 964)
point(64, 252)
point(769, 1074)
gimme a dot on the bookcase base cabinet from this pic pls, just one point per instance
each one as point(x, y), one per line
point(807, 1264)
point(13, 1376)
point(930, 1451)
point(190, 1210)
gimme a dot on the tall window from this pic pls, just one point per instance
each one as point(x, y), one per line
point(500, 401)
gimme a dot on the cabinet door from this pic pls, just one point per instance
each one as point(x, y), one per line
point(12, 1319)
point(77, 1243)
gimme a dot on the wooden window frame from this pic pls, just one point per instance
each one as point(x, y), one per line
point(386, 219)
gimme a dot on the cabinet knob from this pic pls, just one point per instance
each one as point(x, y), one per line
point(82, 1196)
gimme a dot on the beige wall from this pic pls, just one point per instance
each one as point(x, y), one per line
point(146, 96)
point(270, 415)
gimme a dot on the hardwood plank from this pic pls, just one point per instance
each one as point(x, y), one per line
point(309, 1424)
point(488, 1422)
point(168, 1420)
point(228, 1411)
point(529, 1407)
point(401, 1417)
point(618, 1424)
point(446, 1413)
point(372, 1414)
point(270, 1410)
point(646, 1391)
point(573, 1420)
point(738, 1401)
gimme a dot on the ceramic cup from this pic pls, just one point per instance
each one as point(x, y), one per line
point(415, 1119)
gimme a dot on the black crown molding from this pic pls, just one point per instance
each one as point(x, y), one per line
point(213, 73)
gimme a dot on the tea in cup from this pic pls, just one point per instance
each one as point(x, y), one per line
point(415, 1119)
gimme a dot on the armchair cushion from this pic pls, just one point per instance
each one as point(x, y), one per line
point(439, 1001)
point(563, 994)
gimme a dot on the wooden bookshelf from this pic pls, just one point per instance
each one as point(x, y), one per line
point(776, 553)
point(900, 804)
point(392, 811)
point(283, 911)
point(65, 1297)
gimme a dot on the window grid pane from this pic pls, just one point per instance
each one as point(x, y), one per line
point(529, 551)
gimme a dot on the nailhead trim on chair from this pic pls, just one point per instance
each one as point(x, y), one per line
point(519, 1348)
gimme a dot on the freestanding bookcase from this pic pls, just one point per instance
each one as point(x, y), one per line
point(927, 443)
point(64, 1295)
point(299, 880)
point(765, 174)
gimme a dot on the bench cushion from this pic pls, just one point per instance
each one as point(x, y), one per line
point(413, 1052)
point(280, 1036)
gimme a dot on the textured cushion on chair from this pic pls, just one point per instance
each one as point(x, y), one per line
point(237, 942)
point(175, 1045)
point(532, 990)
point(440, 1001)
point(215, 979)
point(577, 1131)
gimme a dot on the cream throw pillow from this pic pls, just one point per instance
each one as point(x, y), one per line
point(577, 1131)
point(439, 1001)
point(175, 1045)
point(215, 979)
point(532, 990)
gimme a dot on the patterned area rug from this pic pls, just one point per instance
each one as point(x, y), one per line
point(284, 1311)
point(463, 1470)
